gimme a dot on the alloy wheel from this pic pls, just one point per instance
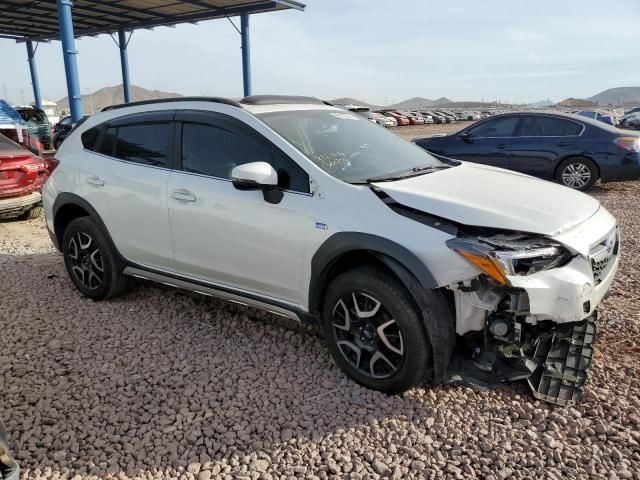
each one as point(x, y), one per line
point(86, 260)
point(576, 175)
point(367, 335)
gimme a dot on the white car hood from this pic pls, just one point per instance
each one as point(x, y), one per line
point(480, 195)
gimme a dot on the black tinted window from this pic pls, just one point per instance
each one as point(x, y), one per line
point(500, 127)
point(89, 137)
point(548, 127)
point(216, 150)
point(143, 143)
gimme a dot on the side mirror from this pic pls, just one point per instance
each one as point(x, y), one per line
point(257, 176)
point(254, 176)
point(466, 136)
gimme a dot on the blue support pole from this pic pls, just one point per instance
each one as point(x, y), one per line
point(69, 53)
point(34, 75)
point(246, 53)
point(124, 64)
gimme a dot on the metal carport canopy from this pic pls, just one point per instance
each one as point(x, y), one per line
point(32, 21)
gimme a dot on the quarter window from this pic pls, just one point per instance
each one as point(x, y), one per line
point(500, 127)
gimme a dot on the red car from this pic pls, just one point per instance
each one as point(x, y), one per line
point(22, 175)
point(402, 120)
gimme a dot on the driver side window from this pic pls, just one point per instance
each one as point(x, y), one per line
point(216, 149)
point(500, 127)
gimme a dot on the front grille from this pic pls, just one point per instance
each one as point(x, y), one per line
point(600, 268)
point(603, 255)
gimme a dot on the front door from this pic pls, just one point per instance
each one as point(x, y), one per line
point(230, 237)
point(489, 143)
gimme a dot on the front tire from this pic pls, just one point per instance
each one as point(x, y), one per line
point(91, 260)
point(577, 173)
point(374, 331)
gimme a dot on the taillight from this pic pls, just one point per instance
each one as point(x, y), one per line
point(628, 143)
point(33, 167)
point(51, 164)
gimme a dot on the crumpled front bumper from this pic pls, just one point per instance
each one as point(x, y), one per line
point(566, 294)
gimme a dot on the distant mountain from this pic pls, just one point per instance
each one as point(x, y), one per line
point(616, 96)
point(576, 102)
point(417, 103)
point(353, 101)
point(106, 96)
point(541, 103)
point(414, 103)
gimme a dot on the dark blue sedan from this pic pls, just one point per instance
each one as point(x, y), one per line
point(570, 149)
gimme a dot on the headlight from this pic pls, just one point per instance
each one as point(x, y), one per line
point(502, 255)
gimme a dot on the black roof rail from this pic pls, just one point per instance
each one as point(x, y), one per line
point(280, 99)
point(225, 101)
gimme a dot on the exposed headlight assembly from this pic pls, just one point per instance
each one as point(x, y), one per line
point(501, 255)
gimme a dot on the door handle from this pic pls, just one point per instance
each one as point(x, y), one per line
point(95, 181)
point(183, 195)
point(563, 144)
point(502, 146)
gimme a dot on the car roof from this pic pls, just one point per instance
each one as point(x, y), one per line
point(569, 116)
point(255, 104)
point(8, 115)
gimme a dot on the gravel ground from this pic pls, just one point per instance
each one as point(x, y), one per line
point(415, 131)
point(160, 384)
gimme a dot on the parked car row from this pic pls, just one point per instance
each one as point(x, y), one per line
point(398, 118)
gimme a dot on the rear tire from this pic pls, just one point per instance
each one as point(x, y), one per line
point(577, 173)
point(32, 213)
point(374, 331)
point(91, 260)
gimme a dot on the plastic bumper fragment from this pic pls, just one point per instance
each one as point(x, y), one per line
point(563, 356)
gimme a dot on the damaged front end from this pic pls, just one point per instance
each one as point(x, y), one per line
point(530, 315)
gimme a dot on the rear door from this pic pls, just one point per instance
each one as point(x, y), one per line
point(488, 143)
point(125, 178)
point(539, 141)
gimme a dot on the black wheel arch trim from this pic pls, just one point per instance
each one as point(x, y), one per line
point(341, 243)
point(407, 267)
point(67, 198)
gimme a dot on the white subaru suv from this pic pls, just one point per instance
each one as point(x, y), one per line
point(417, 267)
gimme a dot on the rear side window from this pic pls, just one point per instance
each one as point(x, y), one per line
point(146, 143)
point(548, 127)
point(500, 127)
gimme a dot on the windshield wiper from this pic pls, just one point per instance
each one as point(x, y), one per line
point(412, 172)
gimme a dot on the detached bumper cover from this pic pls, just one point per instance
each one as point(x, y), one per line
point(562, 359)
point(554, 362)
point(14, 205)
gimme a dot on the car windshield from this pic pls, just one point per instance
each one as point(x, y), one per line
point(33, 116)
point(348, 146)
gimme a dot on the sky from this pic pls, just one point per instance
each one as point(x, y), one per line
point(379, 51)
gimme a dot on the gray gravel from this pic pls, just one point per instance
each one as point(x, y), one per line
point(159, 384)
